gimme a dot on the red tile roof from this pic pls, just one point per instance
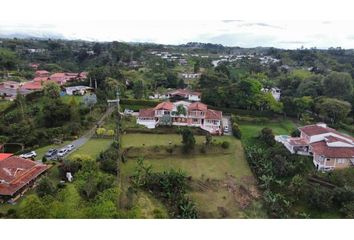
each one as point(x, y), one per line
point(16, 172)
point(298, 141)
point(331, 139)
point(32, 85)
point(147, 113)
point(40, 79)
point(321, 148)
point(213, 114)
point(184, 92)
point(197, 106)
point(40, 73)
point(312, 130)
point(164, 106)
point(5, 155)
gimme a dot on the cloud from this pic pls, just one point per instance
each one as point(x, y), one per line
point(231, 21)
point(260, 24)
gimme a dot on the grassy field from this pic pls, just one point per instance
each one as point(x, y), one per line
point(251, 130)
point(93, 147)
point(141, 140)
point(215, 178)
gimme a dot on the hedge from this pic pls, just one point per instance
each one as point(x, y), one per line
point(165, 130)
point(139, 102)
point(243, 111)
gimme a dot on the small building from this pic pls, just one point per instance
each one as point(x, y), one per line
point(184, 94)
point(274, 91)
point(10, 89)
point(42, 73)
point(329, 148)
point(17, 175)
point(32, 85)
point(190, 75)
point(78, 90)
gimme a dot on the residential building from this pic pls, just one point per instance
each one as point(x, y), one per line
point(182, 113)
point(190, 75)
point(17, 175)
point(10, 89)
point(42, 73)
point(78, 90)
point(184, 94)
point(329, 148)
point(32, 85)
point(64, 77)
point(274, 91)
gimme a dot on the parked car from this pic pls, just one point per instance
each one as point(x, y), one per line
point(31, 154)
point(51, 152)
point(128, 112)
point(62, 152)
point(70, 147)
point(226, 129)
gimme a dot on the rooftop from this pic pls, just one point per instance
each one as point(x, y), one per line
point(16, 172)
point(321, 148)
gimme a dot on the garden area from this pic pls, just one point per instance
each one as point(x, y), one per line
point(220, 182)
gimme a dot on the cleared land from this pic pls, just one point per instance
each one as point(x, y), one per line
point(251, 130)
point(93, 147)
point(222, 185)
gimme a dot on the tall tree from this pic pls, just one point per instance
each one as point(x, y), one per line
point(333, 109)
point(188, 140)
point(338, 85)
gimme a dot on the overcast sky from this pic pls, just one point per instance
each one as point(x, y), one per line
point(281, 34)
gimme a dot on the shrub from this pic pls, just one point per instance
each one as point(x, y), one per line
point(236, 131)
point(45, 187)
point(44, 159)
point(225, 145)
point(100, 131)
point(110, 132)
point(267, 136)
point(295, 133)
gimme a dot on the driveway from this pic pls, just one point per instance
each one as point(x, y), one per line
point(227, 122)
point(84, 138)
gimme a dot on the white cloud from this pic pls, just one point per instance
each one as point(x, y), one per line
point(283, 34)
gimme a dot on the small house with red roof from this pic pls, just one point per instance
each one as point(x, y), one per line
point(17, 175)
point(329, 148)
point(42, 73)
point(182, 113)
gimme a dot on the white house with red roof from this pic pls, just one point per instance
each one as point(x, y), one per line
point(17, 175)
point(330, 149)
point(195, 114)
point(179, 94)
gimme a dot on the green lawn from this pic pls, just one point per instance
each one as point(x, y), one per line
point(251, 130)
point(93, 147)
point(141, 140)
point(67, 98)
point(213, 171)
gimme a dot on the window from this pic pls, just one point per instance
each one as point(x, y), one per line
point(340, 161)
point(328, 159)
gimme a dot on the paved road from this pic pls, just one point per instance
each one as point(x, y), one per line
point(227, 122)
point(84, 138)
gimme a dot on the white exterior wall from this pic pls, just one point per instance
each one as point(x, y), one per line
point(147, 122)
point(193, 98)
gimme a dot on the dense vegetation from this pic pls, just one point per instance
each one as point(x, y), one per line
point(292, 188)
point(316, 85)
